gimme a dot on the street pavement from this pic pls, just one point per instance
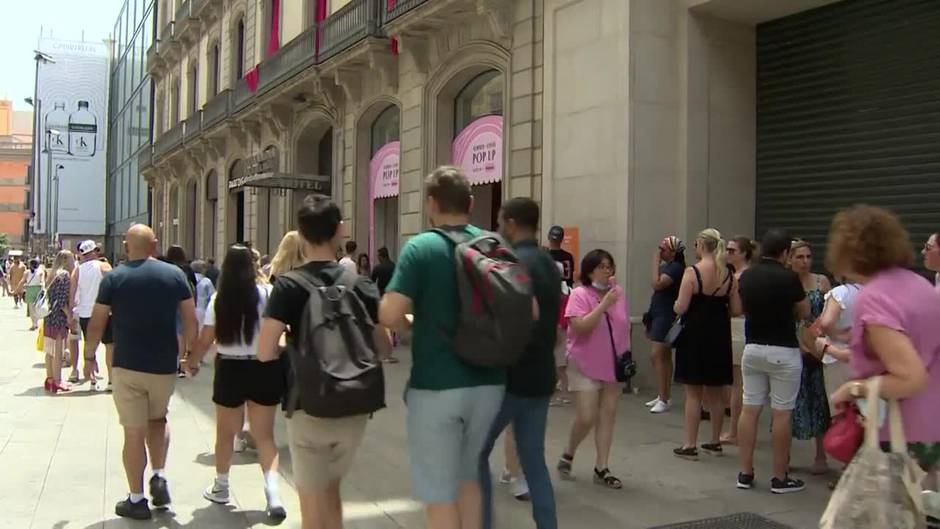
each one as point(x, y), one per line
point(60, 464)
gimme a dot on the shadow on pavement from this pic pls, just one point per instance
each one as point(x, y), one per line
point(209, 516)
point(248, 457)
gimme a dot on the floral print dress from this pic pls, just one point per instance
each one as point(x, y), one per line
point(811, 415)
point(56, 324)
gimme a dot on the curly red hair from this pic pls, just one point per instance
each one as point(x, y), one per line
point(866, 240)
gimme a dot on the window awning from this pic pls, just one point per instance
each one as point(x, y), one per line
point(297, 181)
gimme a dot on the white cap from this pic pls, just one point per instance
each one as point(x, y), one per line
point(86, 247)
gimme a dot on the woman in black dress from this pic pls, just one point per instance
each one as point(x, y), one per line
point(708, 297)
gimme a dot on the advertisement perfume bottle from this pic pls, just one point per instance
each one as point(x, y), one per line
point(57, 119)
point(83, 131)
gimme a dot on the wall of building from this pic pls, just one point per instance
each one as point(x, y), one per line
point(129, 121)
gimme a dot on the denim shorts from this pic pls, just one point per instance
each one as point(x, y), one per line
point(446, 433)
point(771, 375)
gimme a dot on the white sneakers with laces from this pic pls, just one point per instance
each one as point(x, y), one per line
point(660, 406)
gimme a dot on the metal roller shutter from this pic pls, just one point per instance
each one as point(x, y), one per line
point(848, 112)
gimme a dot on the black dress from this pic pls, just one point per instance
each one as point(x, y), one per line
point(703, 350)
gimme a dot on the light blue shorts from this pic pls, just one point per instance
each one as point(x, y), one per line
point(446, 433)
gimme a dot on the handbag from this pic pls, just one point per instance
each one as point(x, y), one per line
point(42, 304)
point(878, 490)
point(845, 435)
point(624, 366)
point(673, 335)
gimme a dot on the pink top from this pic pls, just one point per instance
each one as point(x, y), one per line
point(902, 300)
point(593, 351)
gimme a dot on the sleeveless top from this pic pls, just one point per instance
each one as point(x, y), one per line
point(89, 279)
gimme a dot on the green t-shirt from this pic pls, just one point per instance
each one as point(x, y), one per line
point(426, 273)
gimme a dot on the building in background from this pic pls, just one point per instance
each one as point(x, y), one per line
point(628, 120)
point(72, 127)
point(15, 154)
point(130, 99)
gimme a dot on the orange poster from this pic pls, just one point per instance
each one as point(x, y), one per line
point(572, 244)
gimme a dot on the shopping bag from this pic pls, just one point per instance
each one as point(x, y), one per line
point(40, 339)
point(878, 490)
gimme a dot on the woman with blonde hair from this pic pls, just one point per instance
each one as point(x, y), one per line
point(290, 254)
point(708, 298)
point(55, 326)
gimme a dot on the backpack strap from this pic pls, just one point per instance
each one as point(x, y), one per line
point(451, 236)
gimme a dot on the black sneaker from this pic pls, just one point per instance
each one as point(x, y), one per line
point(690, 453)
point(135, 511)
point(786, 485)
point(713, 449)
point(745, 481)
point(159, 492)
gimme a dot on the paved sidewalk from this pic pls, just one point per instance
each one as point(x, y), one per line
point(60, 463)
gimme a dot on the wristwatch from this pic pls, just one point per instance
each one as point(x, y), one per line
point(856, 389)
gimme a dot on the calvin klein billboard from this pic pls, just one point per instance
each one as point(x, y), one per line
point(72, 130)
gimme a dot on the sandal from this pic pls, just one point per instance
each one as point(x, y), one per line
point(564, 466)
point(690, 453)
point(605, 478)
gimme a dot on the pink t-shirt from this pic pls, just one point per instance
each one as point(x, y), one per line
point(592, 351)
point(902, 300)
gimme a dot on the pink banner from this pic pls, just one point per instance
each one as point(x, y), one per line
point(383, 183)
point(478, 150)
point(383, 170)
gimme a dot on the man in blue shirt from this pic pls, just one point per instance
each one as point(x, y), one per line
point(142, 298)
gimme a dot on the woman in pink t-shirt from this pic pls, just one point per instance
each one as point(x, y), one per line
point(894, 332)
point(598, 330)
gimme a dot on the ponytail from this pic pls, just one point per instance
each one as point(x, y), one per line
point(711, 238)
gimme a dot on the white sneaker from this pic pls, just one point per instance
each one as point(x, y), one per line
point(519, 488)
point(240, 445)
point(660, 407)
point(653, 402)
point(216, 493)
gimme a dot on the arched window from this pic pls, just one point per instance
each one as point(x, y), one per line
point(482, 96)
point(211, 215)
point(194, 87)
point(385, 128)
point(175, 103)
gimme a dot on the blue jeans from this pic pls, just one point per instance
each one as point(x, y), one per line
point(528, 416)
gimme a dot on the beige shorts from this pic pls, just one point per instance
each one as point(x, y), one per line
point(578, 381)
point(141, 397)
point(322, 450)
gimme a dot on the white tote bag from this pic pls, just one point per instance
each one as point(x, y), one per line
point(878, 490)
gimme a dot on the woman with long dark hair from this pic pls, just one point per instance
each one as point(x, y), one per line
point(598, 330)
point(232, 322)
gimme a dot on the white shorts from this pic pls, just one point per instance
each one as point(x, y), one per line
point(771, 375)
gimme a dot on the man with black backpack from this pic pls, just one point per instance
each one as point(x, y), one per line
point(335, 382)
point(531, 382)
point(472, 317)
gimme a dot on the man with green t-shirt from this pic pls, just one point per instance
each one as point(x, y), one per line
point(451, 404)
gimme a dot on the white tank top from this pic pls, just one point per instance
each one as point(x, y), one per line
point(89, 278)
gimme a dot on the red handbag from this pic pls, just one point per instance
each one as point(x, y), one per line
point(845, 435)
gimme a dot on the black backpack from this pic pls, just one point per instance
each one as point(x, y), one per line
point(335, 368)
point(495, 301)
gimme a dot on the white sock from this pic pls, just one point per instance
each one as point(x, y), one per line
point(222, 479)
point(270, 482)
point(159, 472)
point(135, 497)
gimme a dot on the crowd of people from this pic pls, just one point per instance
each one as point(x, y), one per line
point(308, 329)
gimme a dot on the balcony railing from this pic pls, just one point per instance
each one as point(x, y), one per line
point(193, 126)
point(352, 23)
point(293, 58)
point(401, 7)
point(169, 140)
point(217, 109)
point(241, 96)
point(145, 158)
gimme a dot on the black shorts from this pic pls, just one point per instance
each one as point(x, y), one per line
point(658, 326)
point(238, 381)
point(106, 338)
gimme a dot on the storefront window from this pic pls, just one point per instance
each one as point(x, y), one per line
point(385, 128)
point(482, 96)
